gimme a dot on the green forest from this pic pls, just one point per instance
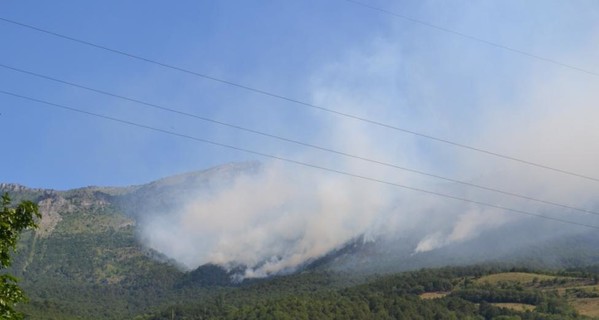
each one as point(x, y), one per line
point(473, 292)
point(446, 293)
point(88, 263)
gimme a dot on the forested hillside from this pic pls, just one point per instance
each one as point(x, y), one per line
point(477, 292)
point(87, 261)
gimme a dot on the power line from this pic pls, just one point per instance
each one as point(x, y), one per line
point(273, 136)
point(305, 164)
point(471, 37)
point(302, 103)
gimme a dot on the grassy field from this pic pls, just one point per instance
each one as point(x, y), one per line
point(433, 295)
point(587, 306)
point(581, 293)
point(519, 277)
point(581, 286)
point(515, 306)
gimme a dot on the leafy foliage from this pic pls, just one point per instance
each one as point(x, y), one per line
point(12, 222)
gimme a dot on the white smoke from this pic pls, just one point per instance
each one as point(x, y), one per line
point(270, 222)
point(288, 215)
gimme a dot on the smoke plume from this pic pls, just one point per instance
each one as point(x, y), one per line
point(286, 215)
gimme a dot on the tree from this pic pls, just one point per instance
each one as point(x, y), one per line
point(13, 220)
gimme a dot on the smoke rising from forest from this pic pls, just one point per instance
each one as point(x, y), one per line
point(286, 215)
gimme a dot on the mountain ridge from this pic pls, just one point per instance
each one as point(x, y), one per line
point(88, 240)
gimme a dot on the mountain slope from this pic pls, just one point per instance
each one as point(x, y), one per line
point(86, 260)
point(87, 249)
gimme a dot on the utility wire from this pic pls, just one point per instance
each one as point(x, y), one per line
point(302, 103)
point(471, 37)
point(305, 164)
point(273, 136)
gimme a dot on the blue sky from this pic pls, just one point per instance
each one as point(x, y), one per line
point(332, 53)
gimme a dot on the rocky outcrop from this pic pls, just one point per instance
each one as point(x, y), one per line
point(51, 209)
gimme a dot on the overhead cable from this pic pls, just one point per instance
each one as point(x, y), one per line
point(305, 104)
point(305, 164)
point(305, 144)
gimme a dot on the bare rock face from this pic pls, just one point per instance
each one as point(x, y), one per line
point(50, 204)
point(50, 209)
point(93, 209)
point(54, 205)
point(17, 189)
point(11, 187)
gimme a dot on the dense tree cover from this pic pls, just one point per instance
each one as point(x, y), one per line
point(121, 282)
point(103, 275)
point(492, 294)
point(387, 297)
point(13, 220)
point(92, 267)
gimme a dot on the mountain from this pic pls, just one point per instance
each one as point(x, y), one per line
point(86, 259)
point(87, 249)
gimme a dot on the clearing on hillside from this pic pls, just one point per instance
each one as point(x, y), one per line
point(587, 306)
point(433, 295)
point(523, 307)
point(520, 277)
